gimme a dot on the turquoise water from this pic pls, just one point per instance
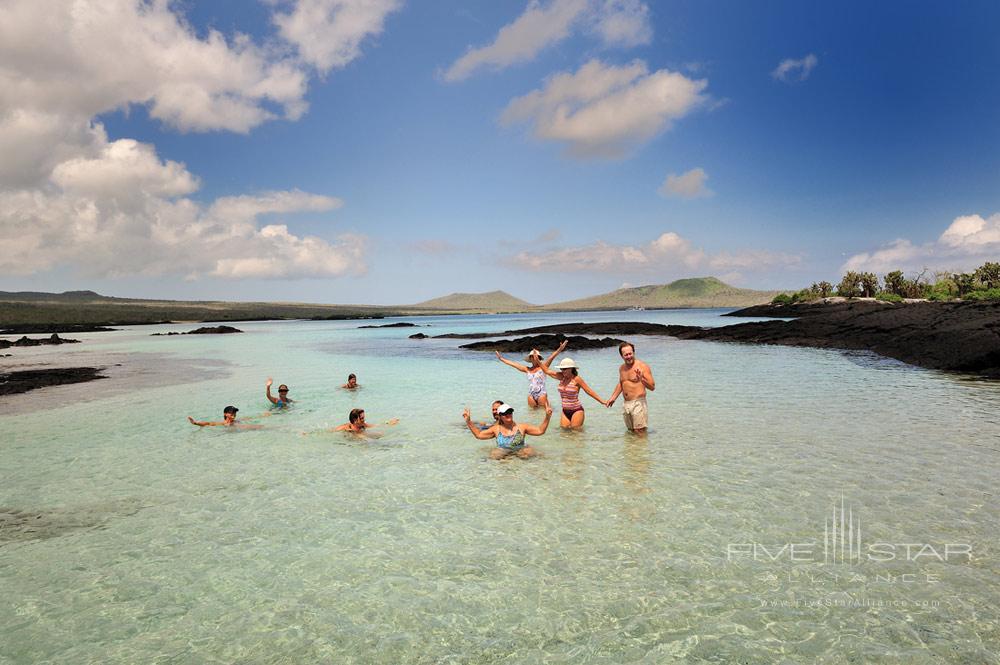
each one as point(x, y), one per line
point(139, 538)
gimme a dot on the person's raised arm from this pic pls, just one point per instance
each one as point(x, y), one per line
point(538, 430)
point(562, 347)
point(518, 366)
point(198, 422)
point(644, 375)
point(583, 384)
point(267, 386)
point(485, 434)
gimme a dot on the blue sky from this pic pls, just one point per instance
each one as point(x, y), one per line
point(389, 152)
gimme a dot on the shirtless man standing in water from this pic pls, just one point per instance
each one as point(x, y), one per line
point(634, 379)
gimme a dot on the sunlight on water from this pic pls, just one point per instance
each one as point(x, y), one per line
point(128, 535)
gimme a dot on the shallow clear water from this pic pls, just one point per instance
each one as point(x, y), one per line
point(137, 537)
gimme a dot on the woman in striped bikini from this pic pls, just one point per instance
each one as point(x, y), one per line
point(570, 384)
point(536, 374)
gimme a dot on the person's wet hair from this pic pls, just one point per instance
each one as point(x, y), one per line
point(355, 415)
point(351, 376)
point(621, 348)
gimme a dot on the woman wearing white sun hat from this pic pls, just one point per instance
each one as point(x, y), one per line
point(570, 385)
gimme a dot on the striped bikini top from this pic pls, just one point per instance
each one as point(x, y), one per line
point(570, 394)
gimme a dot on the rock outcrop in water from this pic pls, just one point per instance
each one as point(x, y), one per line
point(401, 324)
point(25, 341)
point(216, 330)
point(12, 383)
point(525, 344)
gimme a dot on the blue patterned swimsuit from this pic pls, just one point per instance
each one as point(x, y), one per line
point(513, 441)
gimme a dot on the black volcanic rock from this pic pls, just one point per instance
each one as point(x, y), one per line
point(216, 330)
point(401, 324)
point(12, 383)
point(419, 336)
point(36, 328)
point(607, 328)
point(25, 341)
point(795, 310)
point(525, 344)
point(956, 336)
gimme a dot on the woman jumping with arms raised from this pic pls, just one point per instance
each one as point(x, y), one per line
point(537, 395)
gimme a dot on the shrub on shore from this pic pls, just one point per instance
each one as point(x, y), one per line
point(981, 284)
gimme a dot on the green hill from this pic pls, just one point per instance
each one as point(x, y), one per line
point(692, 292)
point(494, 301)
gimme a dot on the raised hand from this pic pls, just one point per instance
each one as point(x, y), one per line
point(269, 382)
point(638, 375)
point(467, 414)
point(499, 357)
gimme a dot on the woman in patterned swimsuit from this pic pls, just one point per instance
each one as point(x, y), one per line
point(536, 374)
point(509, 435)
point(570, 384)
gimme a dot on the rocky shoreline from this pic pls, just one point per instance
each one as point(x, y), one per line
point(953, 336)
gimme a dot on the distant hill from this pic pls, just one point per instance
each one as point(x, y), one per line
point(494, 301)
point(692, 292)
point(40, 296)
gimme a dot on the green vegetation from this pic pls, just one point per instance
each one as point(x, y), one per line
point(981, 284)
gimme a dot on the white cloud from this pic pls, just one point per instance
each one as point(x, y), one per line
point(968, 242)
point(77, 59)
point(124, 213)
point(689, 185)
point(71, 197)
point(668, 254)
point(328, 33)
point(603, 111)
point(791, 70)
point(622, 23)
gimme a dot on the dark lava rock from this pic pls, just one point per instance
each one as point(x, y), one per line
point(525, 344)
point(608, 328)
point(956, 336)
point(401, 324)
point(25, 341)
point(795, 310)
point(217, 330)
point(419, 336)
point(34, 329)
point(12, 383)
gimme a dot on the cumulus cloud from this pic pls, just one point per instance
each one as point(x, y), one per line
point(669, 253)
point(69, 196)
point(689, 185)
point(616, 22)
point(969, 241)
point(328, 33)
point(125, 212)
point(792, 71)
point(603, 111)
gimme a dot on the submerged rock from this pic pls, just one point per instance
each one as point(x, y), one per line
point(12, 383)
point(216, 330)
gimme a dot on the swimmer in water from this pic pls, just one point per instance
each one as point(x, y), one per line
point(509, 435)
point(496, 417)
point(352, 382)
point(228, 420)
point(536, 371)
point(357, 425)
point(282, 400)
